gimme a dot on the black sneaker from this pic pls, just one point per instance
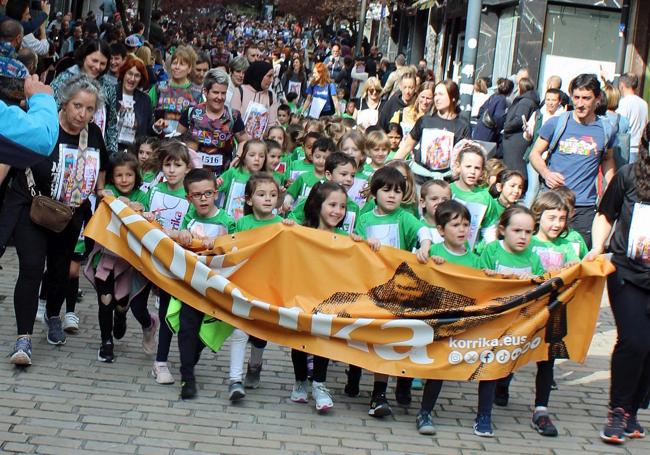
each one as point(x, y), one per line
point(633, 429)
point(501, 396)
point(105, 353)
point(379, 406)
point(543, 425)
point(119, 324)
point(614, 430)
point(22, 353)
point(55, 334)
point(188, 389)
point(352, 386)
point(403, 396)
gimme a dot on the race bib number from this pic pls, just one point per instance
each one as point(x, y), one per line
point(638, 243)
point(387, 234)
point(210, 160)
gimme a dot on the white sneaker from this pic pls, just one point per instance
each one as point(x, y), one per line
point(161, 372)
point(299, 392)
point(71, 323)
point(40, 313)
point(149, 343)
point(321, 396)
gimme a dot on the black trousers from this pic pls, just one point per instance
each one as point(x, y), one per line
point(299, 360)
point(582, 221)
point(189, 343)
point(630, 368)
point(108, 305)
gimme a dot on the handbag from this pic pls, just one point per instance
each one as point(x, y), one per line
point(487, 120)
point(45, 211)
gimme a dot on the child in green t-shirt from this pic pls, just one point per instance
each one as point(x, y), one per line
point(231, 184)
point(145, 148)
point(432, 194)
point(301, 186)
point(389, 225)
point(377, 148)
point(354, 144)
point(204, 222)
point(274, 161)
point(468, 189)
point(339, 168)
point(576, 239)
point(301, 158)
point(395, 135)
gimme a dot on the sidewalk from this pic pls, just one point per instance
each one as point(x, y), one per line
point(69, 403)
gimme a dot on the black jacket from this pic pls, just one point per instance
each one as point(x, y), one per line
point(514, 145)
point(394, 104)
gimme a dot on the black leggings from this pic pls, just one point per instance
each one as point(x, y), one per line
point(35, 246)
point(165, 334)
point(630, 368)
point(139, 309)
point(299, 360)
point(543, 382)
point(189, 342)
point(485, 395)
point(108, 305)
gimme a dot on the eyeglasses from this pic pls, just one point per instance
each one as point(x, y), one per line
point(198, 196)
point(372, 90)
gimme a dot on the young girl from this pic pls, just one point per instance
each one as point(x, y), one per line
point(377, 148)
point(111, 274)
point(145, 149)
point(299, 188)
point(304, 164)
point(395, 135)
point(261, 195)
point(452, 222)
point(409, 200)
point(492, 169)
point(167, 204)
point(325, 209)
point(170, 98)
point(311, 126)
point(432, 194)
point(274, 161)
point(354, 145)
point(389, 224)
point(470, 165)
point(280, 136)
point(232, 183)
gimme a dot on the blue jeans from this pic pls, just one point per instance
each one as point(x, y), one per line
point(533, 185)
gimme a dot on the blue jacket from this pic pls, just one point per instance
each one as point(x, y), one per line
point(28, 137)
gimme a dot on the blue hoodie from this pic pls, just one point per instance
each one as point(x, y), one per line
point(28, 137)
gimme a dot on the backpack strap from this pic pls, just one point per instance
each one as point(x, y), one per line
point(608, 130)
point(560, 127)
point(270, 97)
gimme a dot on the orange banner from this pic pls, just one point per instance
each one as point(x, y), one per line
point(327, 295)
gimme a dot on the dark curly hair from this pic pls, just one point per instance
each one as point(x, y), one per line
point(641, 169)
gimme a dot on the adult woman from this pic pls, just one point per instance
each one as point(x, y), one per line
point(480, 95)
point(626, 205)
point(436, 134)
point(618, 121)
point(321, 94)
point(514, 144)
point(368, 105)
point(213, 125)
point(134, 113)
point(407, 116)
point(255, 100)
point(73, 172)
point(294, 79)
point(92, 60)
point(238, 67)
point(492, 113)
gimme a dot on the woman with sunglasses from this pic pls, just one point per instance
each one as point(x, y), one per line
point(367, 112)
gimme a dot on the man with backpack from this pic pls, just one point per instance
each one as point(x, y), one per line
point(572, 147)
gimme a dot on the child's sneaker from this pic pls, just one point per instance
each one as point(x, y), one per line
point(379, 406)
point(161, 372)
point(633, 429)
point(614, 430)
point(236, 391)
point(105, 352)
point(55, 334)
point(321, 396)
point(252, 379)
point(542, 424)
point(149, 344)
point(483, 426)
point(417, 384)
point(70, 322)
point(188, 389)
point(424, 423)
point(22, 353)
point(299, 392)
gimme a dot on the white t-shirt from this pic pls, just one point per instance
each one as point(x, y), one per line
point(635, 109)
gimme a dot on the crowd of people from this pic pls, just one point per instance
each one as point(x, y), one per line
point(219, 123)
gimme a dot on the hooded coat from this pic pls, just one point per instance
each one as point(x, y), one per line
point(514, 145)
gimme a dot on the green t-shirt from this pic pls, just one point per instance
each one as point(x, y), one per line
point(169, 206)
point(280, 178)
point(298, 167)
point(149, 179)
point(135, 195)
point(233, 191)
point(469, 259)
point(398, 229)
point(368, 170)
point(213, 226)
point(359, 183)
point(351, 215)
point(298, 153)
point(492, 230)
point(496, 258)
point(553, 255)
point(249, 222)
point(482, 208)
point(301, 187)
point(577, 242)
point(410, 207)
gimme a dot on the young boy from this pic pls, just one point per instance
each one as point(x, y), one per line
point(204, 221)
point(284, 115)
point(389, 224)
point(573, 237)
point(339, 168)
point(377, 148)
point(301, 187)
point(300, 166)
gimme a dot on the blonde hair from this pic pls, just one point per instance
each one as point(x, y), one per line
point(371, 82)
point(377, 138)
point(144, 54)
point(613, 95)
point(185, 54)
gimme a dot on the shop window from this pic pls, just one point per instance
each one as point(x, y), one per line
point(505, 43)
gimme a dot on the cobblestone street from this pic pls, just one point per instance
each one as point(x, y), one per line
point(69, 403)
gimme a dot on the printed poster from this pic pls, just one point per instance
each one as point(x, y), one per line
point(435, 148)
point(638, 243)
point(477, 211)
point(355, 191)
point(168, 209)
point(294, 87)
point(387, 234)
point(551, 259)
point(206, 230)
point(348, 221)
point(236, 200)
point(77, 175)
point(316, 107)
point(256, 119)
